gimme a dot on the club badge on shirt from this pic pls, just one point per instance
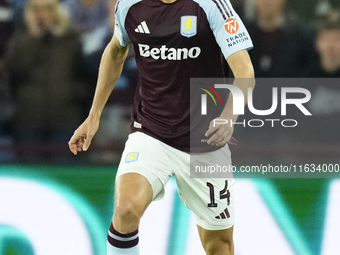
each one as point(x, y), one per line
point(131, 157)
point(188, 26)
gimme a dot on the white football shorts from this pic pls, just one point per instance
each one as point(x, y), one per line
point(210, 199)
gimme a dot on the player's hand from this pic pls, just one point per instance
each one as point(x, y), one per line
point(222, 134)
point(82, 137)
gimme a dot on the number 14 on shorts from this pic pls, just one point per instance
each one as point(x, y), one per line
point(224, 194)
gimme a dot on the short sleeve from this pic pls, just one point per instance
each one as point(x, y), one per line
point(229, 30)
point(120, 32)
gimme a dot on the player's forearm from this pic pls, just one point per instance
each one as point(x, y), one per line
point(244, 79)
point(110, 69)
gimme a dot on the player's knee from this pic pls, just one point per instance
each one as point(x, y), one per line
point(128, 210)
point(225, 247)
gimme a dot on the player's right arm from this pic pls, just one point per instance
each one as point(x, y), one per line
point(110, 69)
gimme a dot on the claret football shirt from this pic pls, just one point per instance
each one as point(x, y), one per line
point(173, 43)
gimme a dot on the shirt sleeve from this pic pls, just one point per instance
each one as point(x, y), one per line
point(120, 32)
point(229, 30)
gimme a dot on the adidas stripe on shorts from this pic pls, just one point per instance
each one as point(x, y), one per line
point(210, 199)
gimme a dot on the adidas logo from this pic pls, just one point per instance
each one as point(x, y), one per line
point(223, 215)
point(142, 28)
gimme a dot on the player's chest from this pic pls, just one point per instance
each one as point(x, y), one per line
point(167, 25)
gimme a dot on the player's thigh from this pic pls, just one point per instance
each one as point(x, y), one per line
point(217, 241)
point(210, 199)
point(133, 192)
point(144, 167)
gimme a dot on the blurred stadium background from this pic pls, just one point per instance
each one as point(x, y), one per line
point(53, 203)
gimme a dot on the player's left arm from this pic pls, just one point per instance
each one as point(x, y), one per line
point(243, 71)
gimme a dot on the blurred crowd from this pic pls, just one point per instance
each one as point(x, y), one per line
point(50, 52)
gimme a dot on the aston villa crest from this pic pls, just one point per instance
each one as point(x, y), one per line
point(188, 26)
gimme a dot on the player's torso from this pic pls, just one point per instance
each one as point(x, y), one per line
point(172, 37)
point(173, 43)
